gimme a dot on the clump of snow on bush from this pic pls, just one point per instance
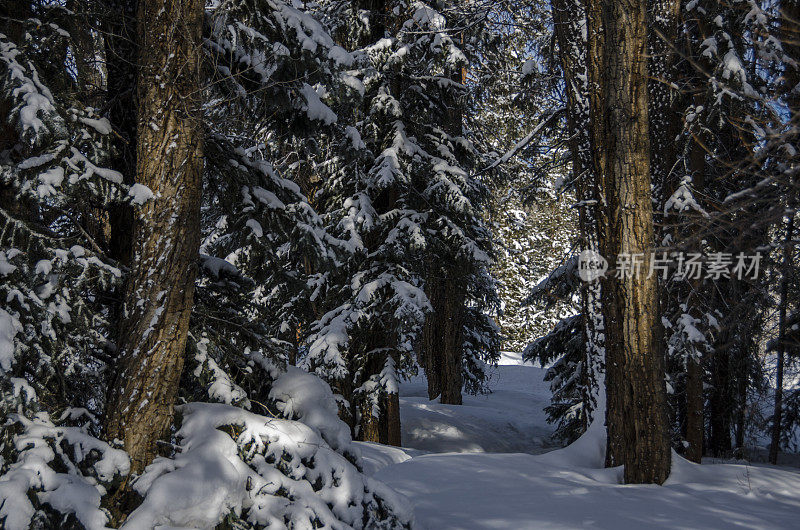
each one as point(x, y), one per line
point(32, 482)
point(261, 472)
point(302, 396)
point(9, 327)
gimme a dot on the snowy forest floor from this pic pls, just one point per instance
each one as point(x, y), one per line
point(480, 466)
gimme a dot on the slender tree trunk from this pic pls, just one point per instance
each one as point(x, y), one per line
point(741, 405)
point(720, 408)
point(777, 415)
point(160, 289)
point(694, 410)
point(393, 435)
point(695, 402)
point(636, 394)
point(431, 340)
point(569, 19)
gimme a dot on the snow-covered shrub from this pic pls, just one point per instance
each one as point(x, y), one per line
point(58, 471)
point(55, 189)
point(256, 471)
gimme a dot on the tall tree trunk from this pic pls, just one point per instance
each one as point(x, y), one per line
point(694, 410)
point(160, 289)
point(569, 19)
point(695, 420)
point(720, 408)
point(777, 415)
point(636, 394)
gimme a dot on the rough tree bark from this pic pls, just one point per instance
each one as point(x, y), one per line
point(720, 406)
point(443, 337)
point(158, 296)
point(638, 434)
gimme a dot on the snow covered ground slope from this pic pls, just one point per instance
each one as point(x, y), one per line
point(563, 489)
point(509, 420)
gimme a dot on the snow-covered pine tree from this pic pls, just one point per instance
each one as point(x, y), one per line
point(459, 335)
point(297, 467)
point(578, 365)
point(412, 199)
point(725, 103)
point(506, 80)
point(268, 253)
point(56, 275)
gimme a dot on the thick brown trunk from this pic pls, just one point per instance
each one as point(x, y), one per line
point(158, 297)
point(443, 340)
point(777, 415)
point(430, 357)
point(636, 394)
point(393, 436)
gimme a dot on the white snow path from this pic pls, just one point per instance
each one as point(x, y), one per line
point(462, 474)
point(509, 420)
